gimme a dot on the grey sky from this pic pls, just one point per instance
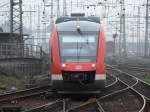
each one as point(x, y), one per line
point(110, 10)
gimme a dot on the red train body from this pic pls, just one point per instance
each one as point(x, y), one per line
point(78, 55)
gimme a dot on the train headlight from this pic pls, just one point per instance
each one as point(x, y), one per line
point(63, 65)
point(93, 65)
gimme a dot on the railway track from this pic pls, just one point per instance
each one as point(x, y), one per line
point(121, 92)
point(36, 97)
point(121, 97)
point(55, 106)
point(140, 68)
point(119, 101)
point(110, 80)
point(92, 106)
point(25, 99)
point(140, 86)
point(116, 97)
point(29, 99)
point(39, 90)
point(113, 88)
point(24, 93)
point(126, 100)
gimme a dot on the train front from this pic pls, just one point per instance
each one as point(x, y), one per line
point(78, 52)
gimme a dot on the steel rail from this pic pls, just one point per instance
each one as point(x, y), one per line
point(136, 84)
point(24, 93)
point(140, 96)
point(139, 81)
point(45, 107)
point(113, 82)
point(92, 103)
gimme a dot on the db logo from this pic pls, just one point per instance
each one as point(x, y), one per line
point(78, 67)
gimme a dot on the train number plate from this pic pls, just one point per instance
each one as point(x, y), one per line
point(78, 67)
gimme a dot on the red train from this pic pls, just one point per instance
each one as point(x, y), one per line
point(78, 54)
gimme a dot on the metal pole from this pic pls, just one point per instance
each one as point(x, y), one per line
point(71, 6)
point(146, 32)
point(137, 37)
point(114, 49)
point(64, 8)
point(138, 32)
point(30, 20)
point(139, 10)
point(21, 25)
point(52, 11)
point(16, 17)
point(11, 16)
point(58, 9)
point(133, 40)
point(39, 21)
point(120, 37)
point(124, 31)
point(114, 52)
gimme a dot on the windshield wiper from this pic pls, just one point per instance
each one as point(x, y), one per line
point(80, 46)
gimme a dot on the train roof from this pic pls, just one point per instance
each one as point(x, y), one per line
point(74, 26)
point(74, 18)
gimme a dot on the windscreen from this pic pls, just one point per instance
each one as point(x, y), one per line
point(78, 45)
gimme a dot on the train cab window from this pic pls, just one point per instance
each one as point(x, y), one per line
point(78, 46)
